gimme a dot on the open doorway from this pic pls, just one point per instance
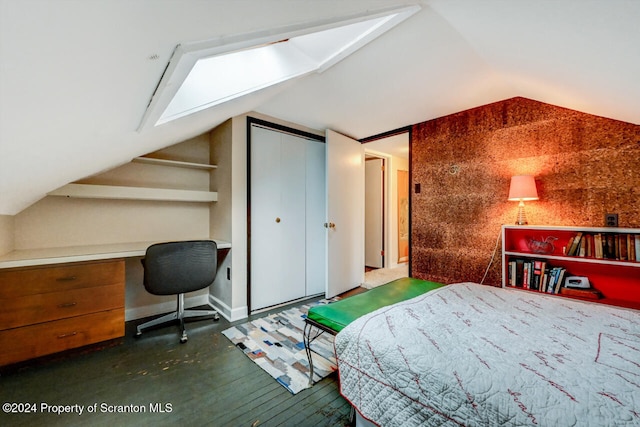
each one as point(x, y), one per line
point(374, 212)
point(386, 209)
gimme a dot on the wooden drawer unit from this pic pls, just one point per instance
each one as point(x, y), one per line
point(53, 308)
point(31, 341)
point(53, 278)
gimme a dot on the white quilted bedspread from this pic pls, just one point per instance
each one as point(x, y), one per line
point(474, 355)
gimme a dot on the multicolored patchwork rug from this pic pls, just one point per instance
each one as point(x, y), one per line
point(275, 344)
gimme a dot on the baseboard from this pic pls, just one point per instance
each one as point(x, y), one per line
point(164, 307)
point(227, 312)
point(286, 303)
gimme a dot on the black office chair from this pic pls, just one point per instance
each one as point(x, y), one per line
point(175, 268)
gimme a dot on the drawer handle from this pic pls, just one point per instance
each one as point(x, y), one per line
point(70, 334)
point(67, 304)
point(66, 278)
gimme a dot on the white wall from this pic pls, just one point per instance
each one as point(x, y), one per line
point(6, 234)
point(60, 221)
point(221, 222)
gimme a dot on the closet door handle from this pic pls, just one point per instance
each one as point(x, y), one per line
point(278, 220)
point(329, 225)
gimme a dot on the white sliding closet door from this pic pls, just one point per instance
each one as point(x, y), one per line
point(282, 197)
point(292, 223)
point(266, 264)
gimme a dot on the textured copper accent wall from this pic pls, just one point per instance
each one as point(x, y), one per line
point(585, 166)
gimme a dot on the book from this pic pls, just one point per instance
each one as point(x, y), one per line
point(519, 272)
point(597, 245)
point(526, 271)
point(556, 279)
point(588, 246)
point(610, 248)
point(553, 276)
point(567, 248)
point(538, 274)
point(513, 273)
point(545, 279)
point(575, 243)
point(622, 247)
point(559, 281)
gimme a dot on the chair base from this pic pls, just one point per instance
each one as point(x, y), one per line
point(179, 315)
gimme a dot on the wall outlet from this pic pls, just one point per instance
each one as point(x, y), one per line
point(611, 220)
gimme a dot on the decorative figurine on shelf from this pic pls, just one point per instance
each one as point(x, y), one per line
point(544, 246)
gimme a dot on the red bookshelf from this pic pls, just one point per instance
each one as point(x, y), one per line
point(613, 270)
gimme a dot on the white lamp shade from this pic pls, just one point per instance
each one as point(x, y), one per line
point(523, 187)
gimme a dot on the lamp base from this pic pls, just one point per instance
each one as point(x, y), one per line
point(522, 217)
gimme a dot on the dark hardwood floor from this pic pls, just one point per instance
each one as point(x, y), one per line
point(206, 381)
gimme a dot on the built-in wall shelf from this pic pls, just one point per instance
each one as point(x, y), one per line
point(174, 163)
point(90, 191)
point(634, 264)
point(541, 258)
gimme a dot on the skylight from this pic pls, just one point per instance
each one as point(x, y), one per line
point(204, 74)
point(224, 77)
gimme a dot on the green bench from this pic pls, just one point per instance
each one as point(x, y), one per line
point(335, 316)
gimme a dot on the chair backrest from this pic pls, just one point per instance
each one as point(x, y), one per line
point(177, 267)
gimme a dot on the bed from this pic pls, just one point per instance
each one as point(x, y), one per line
point(332, 318)
point(473, 355)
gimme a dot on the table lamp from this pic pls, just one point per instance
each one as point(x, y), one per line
point(523, 187)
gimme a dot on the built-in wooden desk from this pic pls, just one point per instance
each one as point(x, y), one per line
point(36, 257)
point(61, 298)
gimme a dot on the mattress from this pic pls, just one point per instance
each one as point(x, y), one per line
point(473, 355)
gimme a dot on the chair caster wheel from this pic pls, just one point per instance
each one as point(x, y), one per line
point(183, 339)
point(216, 317)
point(138, 334)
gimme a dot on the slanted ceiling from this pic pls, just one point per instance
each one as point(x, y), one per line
point(76, 76)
